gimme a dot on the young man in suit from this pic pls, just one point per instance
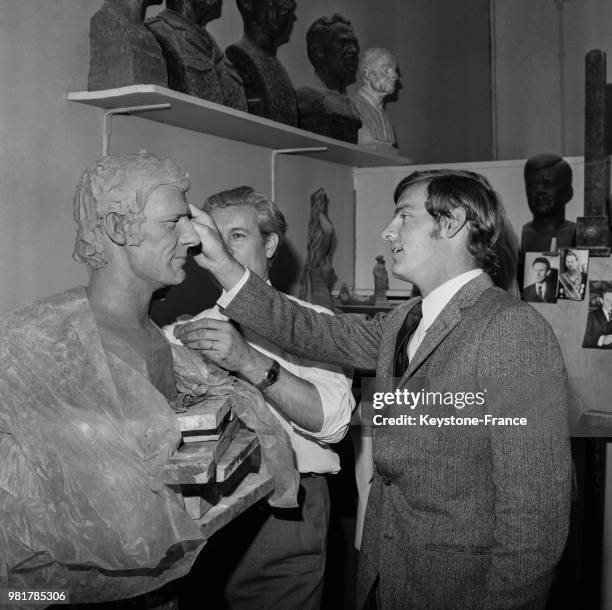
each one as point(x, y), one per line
point(456, 517)
point(542, 290)
point(599, 324)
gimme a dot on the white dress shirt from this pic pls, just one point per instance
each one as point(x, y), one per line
point(311, 449)
point(434, 303)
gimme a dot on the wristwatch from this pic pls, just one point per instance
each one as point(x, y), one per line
point(270, 377)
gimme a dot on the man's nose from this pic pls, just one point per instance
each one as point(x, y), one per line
point(389, 232)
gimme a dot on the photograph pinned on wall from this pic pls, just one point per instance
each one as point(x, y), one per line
point(598, 332)
point(540, 278)
point(574, 272)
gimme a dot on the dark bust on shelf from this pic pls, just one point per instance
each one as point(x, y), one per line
point(548, 186)
point(196, 64)
point(333, 50)
point(122, 50)
point(269, 90)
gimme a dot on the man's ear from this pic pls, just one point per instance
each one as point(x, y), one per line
point(116, 228)
point(271, 244)
point(569, 193)
point(317, 55)
point(454, 222)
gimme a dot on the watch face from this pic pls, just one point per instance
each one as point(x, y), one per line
point(271, 375)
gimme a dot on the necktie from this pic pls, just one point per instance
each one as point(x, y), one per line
point(540, 294)
point(403, 337)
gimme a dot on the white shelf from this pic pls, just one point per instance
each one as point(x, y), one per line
point(201, 115)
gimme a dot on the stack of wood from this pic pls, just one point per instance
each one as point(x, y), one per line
point(213, 459)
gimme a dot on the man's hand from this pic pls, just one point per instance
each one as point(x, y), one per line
point(220, 342)
point(606, 339)
point(213, 254)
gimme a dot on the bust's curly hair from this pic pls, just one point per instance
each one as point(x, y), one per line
point(118, 183)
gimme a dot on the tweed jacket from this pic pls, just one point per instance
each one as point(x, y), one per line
point(457, 517)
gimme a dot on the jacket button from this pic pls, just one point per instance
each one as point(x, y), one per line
point(386, 481)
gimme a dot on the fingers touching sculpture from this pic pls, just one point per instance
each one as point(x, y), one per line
point(377, 80)
point(123, 51)
point(333, 50)
point(196, 64)
point(267, 25)
point(318, 277)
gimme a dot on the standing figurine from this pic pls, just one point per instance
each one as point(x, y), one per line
point(381, 280)
point(333, 50)
point(319, 277)
point(196, 64)
point(377, 80)
point(123, 51)
point(269, 90)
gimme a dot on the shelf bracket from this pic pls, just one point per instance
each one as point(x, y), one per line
point(107, 118)
point(286, 151)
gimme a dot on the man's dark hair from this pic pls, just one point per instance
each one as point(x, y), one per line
point(542, 259)
point(450, 189)
point(319, 34)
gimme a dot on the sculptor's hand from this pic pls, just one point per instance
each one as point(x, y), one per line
point(220, 342)
point(214, 255)
point(606, 339)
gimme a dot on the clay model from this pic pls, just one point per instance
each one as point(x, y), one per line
point(269, 90)
point(548, 186)
point(333, 50)
point(377, 80)
point(122, 50)
point(196, 64)
point(318, 277)
point(381, 280)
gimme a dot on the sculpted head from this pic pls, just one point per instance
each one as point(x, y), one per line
point(118, 185)
point(378, 71)
point(548, 185)
point(333, 50)
point(272, 17)
point(199, 11)
point(251, 225)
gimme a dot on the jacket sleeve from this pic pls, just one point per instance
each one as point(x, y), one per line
point(347, 339)
point(521, 365)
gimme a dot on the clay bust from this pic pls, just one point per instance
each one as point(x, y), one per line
point(123, 51)
point(333, 50)
point(318, 277)
point(196, 63)
point(377, 80)
point(269, 90)
point(548, 186)
point(381, 280)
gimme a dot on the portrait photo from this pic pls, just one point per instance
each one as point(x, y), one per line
point(598, 332)
point(573, 274)
point(541, 278)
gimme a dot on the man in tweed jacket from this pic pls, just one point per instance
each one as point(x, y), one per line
point(458, 517)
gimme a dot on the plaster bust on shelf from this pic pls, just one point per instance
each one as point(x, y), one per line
point(196, 64)
point(377, 80)
point(269, 90)
point(548, 186)
point(122, 50)
point(333, 50)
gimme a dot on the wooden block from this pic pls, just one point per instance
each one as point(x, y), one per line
point(196, 436)
point(244, 443)
point(252, 488)
point(189, 471)
point(205, 415)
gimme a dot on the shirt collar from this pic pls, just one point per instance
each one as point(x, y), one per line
point(437, 299)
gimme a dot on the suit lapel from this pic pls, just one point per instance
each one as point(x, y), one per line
point(446, 321)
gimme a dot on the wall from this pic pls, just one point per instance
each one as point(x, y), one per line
point(526, 47)
point(47, 142)
point(443, 111)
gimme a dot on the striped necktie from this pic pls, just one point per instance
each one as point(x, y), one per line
point(400, 362)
